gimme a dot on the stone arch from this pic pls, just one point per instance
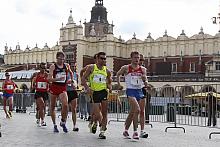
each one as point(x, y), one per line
point(186, 90)
point(152, 90)
point(208, 88)
point(167, 91)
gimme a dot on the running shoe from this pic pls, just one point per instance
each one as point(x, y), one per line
point(63, 125)
point(10, 113)
point(102, 135)
point(75, 129)
point(55, 129)
point(89, 118)
point(37, 121)
point(135, 136)
point(90, 127)
point(7, 115)
point(143, 135)
point(94, 128)
point(126, 135)
point(43, 124)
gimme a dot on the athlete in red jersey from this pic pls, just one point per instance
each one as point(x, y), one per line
point(58, 77)
point(8, 86)
point(41, 93)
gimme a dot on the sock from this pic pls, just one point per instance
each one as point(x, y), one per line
point(62, 120)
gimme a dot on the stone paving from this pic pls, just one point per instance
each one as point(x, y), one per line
point(22, 131)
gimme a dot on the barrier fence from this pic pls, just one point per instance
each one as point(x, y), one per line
point(193, 105)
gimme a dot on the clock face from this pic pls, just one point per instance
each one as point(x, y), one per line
point(105, 29)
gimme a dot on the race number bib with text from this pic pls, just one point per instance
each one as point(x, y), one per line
point(10, 87)
point(42, 85)
point(98, 78)
point(136, 80)
point(61, 75)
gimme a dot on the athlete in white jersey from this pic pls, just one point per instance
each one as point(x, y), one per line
point(135, 76)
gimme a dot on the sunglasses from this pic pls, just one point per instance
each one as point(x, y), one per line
point(102, 58)
point(60, 58)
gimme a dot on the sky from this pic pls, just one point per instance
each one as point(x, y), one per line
point(28, 22)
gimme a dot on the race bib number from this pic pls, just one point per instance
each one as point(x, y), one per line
point(98, 78)
point(10, 87)
point(61, 75)
point(42, 85)
point(136, 80)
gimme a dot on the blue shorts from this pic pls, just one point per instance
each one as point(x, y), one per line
point(137, 93)
point(7, 95)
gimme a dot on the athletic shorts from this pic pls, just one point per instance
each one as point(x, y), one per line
point(44, 95)
point(72, 95)
point(99, 96)
point(7, 95)
point(137, 93)
point(57, 89)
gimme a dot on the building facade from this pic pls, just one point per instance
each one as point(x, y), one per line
point(166, 55)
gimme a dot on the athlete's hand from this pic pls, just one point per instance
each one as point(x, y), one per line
point(69, 81)
point(119, 87)
point(88, 91)
point(110, 90)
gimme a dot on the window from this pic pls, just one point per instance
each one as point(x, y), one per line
point(174, 67)
point(217, 65)
point(192, 67)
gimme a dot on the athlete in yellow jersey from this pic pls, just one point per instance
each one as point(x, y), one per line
point(99, 80)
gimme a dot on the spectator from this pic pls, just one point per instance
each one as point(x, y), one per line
point(212, 107)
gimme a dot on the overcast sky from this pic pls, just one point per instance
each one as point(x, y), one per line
point(38, 21)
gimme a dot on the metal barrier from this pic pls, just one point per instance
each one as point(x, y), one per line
point(24, 102)
point(194, 105)
point(117, 107)
point(198, 105)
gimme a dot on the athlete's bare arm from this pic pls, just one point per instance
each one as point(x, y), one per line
point(144, 77)
point(85, 76)
point(50, 76)
point(122, 71)
point(33, 82)
point(83, 71)
point(3, 85)
point(71, 74)
point(109, 81)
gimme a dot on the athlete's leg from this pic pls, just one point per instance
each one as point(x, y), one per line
point(64, 101)
point(11, 103)
point(104, 110)
point(73, 109)
point(53, 99)
point(41, 107)
point(142, 104)
point(5, 105)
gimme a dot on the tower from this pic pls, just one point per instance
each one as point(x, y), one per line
point(98, 25)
